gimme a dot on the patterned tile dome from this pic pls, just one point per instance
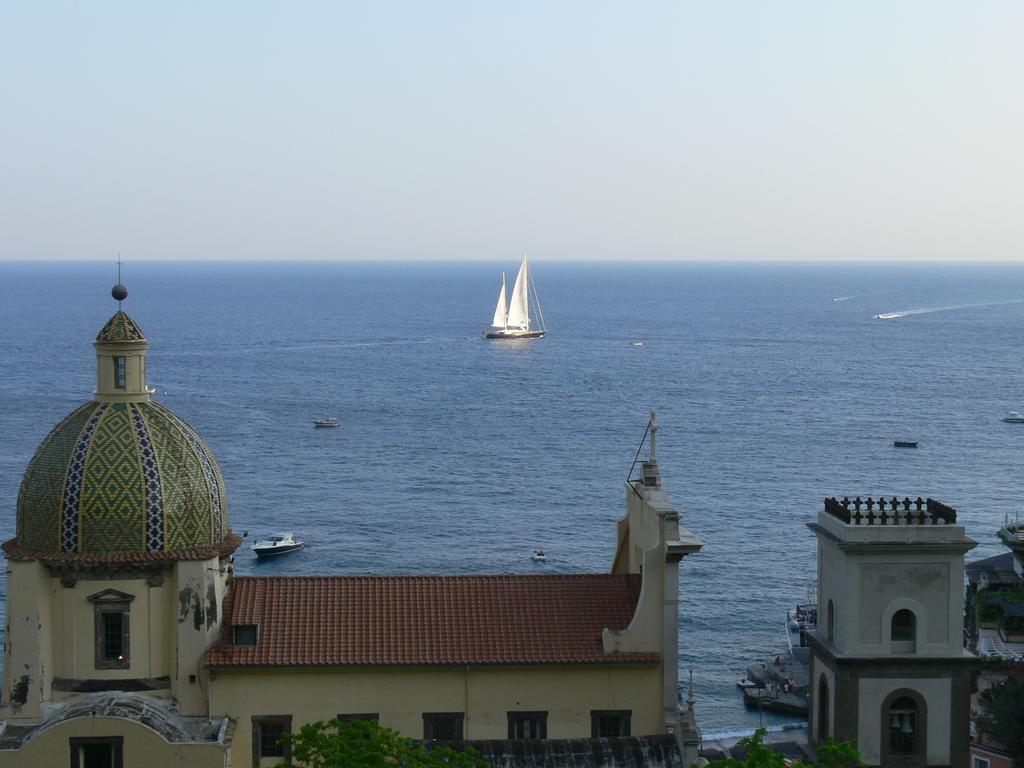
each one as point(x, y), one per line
point(122, 481)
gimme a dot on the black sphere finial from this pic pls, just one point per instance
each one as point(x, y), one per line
point(119, 292)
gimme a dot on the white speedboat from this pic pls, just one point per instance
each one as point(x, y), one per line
point(329, 422)
point(1014, 418)
point(272, 546)
point(512, 320)
point(538, 556)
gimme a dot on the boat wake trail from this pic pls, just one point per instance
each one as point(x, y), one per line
point(862, 295)
point(929, 310)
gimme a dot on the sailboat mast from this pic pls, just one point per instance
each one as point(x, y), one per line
point(504, 304)
point(526, 287)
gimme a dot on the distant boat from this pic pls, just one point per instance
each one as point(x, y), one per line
point(329, 422)
point(272, 546)
point(636, 343)
point(904, 443)
point(512, 321)
point(538, 556)
point(1014, 418)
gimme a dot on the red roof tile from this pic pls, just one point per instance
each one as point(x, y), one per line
point(421, 620)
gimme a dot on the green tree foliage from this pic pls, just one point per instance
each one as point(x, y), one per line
point(831, 754)
point(1003, 717)
point(364, 744)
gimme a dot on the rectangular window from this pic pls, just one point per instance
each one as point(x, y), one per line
point(246, 634)
point(93, 752)
point(119, 376)
point(112, 635)
point(981, 762)
point(267, 731)
point(527, 725)
point(442, 726)
point(609, 723)
point(113, 629)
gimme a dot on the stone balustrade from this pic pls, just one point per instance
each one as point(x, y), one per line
point(890, 511)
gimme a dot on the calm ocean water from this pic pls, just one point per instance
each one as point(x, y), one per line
point(459, 455)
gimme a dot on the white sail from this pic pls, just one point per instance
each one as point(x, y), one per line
point(519, 306)
point(500, 311)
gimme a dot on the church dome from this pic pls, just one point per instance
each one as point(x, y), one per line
point(122, 478)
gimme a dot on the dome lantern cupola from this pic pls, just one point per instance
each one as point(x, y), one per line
point(121, 357)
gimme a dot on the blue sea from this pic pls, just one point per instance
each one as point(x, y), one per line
point(774, 384)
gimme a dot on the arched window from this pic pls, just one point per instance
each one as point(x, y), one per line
point(831, 621)
point(904, 631)
point(822, 732)
point(904, 737)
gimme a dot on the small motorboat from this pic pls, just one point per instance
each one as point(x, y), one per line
point(538, 556)
point(329, 422)
point(904, 443)
point(272, 546)
point(1013, 417)
point(746, 683)
point(636, 343)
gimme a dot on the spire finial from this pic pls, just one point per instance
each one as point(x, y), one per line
point(119, 292)
point(690, 700)
point(654, 437)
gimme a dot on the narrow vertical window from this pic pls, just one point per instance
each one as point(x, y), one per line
point(119, 375)
point(112, 612)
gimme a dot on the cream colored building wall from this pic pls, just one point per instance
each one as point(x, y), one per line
point(401, 695)
point(142, 746)
point(75, 621)
point(199, 590)
point(28, 650)
point(937, 694)
point(134, 354)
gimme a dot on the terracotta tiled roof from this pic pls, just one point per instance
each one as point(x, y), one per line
point(121, 327)
point(427, 620)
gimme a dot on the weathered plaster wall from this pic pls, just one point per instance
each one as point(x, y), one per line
point(401, 695)
point(142, 746)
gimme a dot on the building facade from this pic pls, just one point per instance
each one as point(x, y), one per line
point(130, 639)
point(888, 665)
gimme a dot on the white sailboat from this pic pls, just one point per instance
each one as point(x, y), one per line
point(512, 320)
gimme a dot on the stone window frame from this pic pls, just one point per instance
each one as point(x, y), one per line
point(624, 716)
point(515, 717)
point(920, 757)
point(429, 718)
point(112, 601)
point(116, 743)
point(258, 722)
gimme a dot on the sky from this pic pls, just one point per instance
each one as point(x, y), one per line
point(589, 130)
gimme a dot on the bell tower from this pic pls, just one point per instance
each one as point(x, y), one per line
point(888, 667)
